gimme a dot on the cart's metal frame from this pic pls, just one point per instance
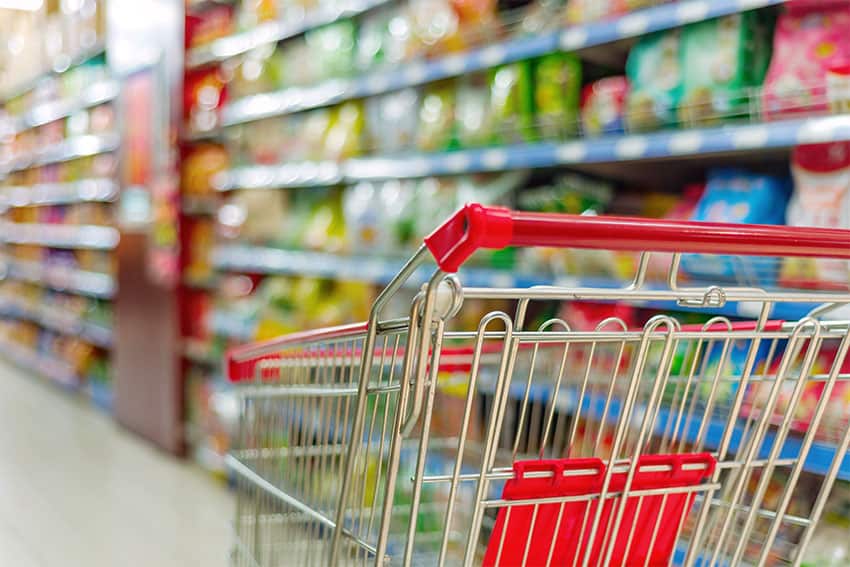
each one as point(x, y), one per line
point(372, 388)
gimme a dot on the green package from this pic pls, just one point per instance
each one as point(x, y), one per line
point(723, 59)
point(436, 117)
point(511, 103)
point(332, 48)
point(557, 91)
point(654, 72)
point(473, 123)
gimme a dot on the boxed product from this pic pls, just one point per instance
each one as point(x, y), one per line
point(655, 75)
point(603, 106)
point(738, 196)
point(722, 60)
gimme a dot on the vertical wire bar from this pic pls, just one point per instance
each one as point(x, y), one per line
point(779, 440)
point(437, 343)
point(754, 445)
point(523, 408)
point(661, 373)
point(723, 446)
point(494, 424)
point(462, 437)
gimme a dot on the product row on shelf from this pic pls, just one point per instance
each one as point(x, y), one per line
point(44, 44)
point(66, 359)
point(60, 177)
point(540, 95)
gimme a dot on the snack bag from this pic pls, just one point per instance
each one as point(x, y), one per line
point(364, 227)
point(723, 59)
point(473, 122)
point(259, 71)
point(583, 11)
point(511, 103)
point(603, 106)
point(809, 39)
point(436, 26)
point(344, 135)
point(737, 196)
point(654, 72)
point(332, 48)
point(436, 117)
point(557, 86)
point(821, 198)
point(200, 165)
point(391, 120)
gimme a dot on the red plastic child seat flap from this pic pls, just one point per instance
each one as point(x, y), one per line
point(559, 533)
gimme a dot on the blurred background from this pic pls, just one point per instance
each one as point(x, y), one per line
point(179, 178)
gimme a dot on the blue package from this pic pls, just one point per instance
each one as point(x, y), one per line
point(739, 196)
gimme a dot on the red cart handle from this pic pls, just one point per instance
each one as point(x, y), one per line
point(476, 226)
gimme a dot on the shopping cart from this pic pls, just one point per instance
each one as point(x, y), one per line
point(423, 439)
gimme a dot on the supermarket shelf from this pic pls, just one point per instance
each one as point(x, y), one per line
point(740, 139)
point(85, 190)
point(61, 322)
point(66, 150)
point(62, 278)
point(296, 99)
point(60, 65)
point(262, 260)
point(818, 461)
point(288, 175)
point(78, 236)
point(55, 370)
point(41, 114)
point(272, 32)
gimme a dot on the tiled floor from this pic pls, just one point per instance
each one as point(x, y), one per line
point(75, 490)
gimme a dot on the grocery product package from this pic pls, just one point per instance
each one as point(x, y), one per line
point(603, 106)
point(583, 11)
point(512, 103)
point(379, 217)
point(723, 60)
point(655, 75)
point(810, 38)
point(473, 121)
point(739, 196)
point(821, 198)
point(436, 117)
point(391, 121)
point(332, 49)
point(557, 89)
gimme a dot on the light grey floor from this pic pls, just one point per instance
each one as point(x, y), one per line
point(75, 490)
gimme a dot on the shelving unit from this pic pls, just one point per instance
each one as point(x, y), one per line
point(42, 250)
point(225, 305)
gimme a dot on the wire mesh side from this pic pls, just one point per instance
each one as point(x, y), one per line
point(756, 399)
point(289, 457)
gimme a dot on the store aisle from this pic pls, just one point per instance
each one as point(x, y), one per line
point(76, 490)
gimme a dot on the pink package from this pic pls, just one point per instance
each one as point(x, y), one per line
point(811, 36)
